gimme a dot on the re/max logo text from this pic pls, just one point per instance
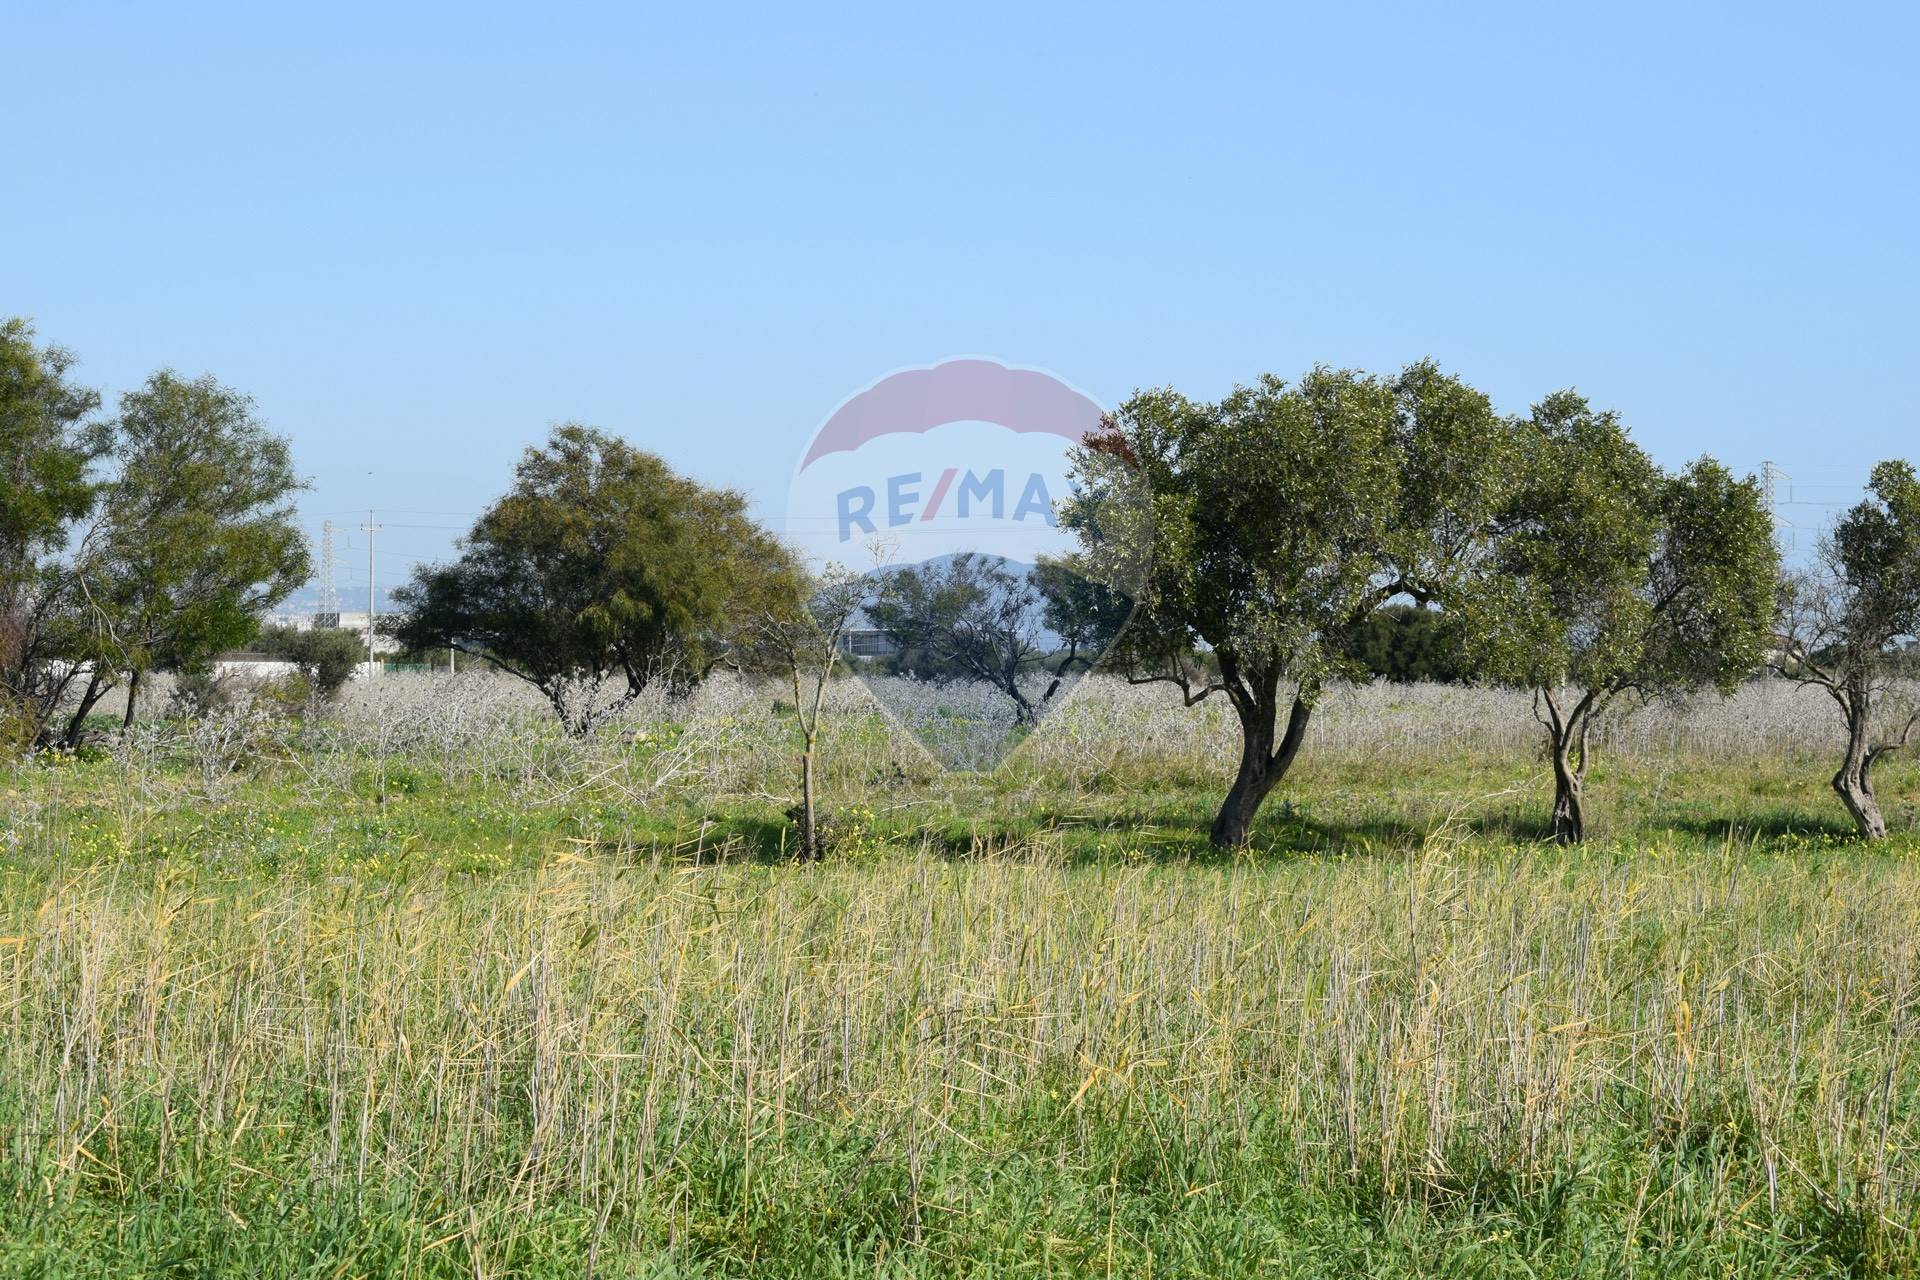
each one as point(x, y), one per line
point(975, 496)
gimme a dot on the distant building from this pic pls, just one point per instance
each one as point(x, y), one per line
point(868, 642)
point(252, 666)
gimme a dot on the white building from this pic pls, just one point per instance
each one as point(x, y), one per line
point(352, 622)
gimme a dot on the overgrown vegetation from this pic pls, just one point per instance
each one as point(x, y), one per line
point(148, 541)
point(429, 987)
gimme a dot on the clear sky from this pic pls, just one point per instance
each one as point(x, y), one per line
point(421, 235)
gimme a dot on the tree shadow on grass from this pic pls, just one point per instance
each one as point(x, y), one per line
point(1293, 834)
point(1382, 835)
point(718, 838)
point(1774, 827)
point(1282, 832)
point(1055, 833)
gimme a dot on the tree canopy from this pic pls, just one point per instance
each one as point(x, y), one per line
point(1276, 522)
point(1609, 576)
point(47, 449)
point(196, 533)
point(1408, 644)
point(151, 538)
point(601, 565)
point(49, 445)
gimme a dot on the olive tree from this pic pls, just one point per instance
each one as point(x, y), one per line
point(601, 565)
point(326, 656)
point(1265, 528)
point(1842, 623)
point(1610, 577)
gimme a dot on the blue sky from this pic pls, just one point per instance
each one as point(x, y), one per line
point(419, 238)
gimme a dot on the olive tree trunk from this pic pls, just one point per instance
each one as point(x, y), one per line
point(1854, 783)
point(1569, 789)
point(1262, 763)
point(1567, 732)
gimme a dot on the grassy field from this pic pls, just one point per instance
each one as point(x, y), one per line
point(417, 988)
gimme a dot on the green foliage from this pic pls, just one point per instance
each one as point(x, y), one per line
point(48, 448)
point(197, 534)
point(1714, 583)
point(1407, 644)
point(1867, 583)
point(185, 539)
point(1877, 544)
point(1086, 613)
point(1562, 601)
point(327, 657)
point(1274, 525)
point(1270, 516)
point(601, 563)
point(1610, 576)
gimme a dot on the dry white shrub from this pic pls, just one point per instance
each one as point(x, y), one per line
point(1110, 721)
point(733, 736)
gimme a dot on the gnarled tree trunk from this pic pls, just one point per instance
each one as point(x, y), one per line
point(76, 723)
point(1569, 787)
point(1854, 783)
point(1567, 731)
point(1262, 763)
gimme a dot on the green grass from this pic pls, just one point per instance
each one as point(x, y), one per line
point(388, 1015)
point(413, 819)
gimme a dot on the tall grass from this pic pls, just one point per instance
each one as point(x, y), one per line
point(1449, 1052)
point(1669, 1061)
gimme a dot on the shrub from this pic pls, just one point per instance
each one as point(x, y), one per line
point(327, 658)
point(199, 693)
